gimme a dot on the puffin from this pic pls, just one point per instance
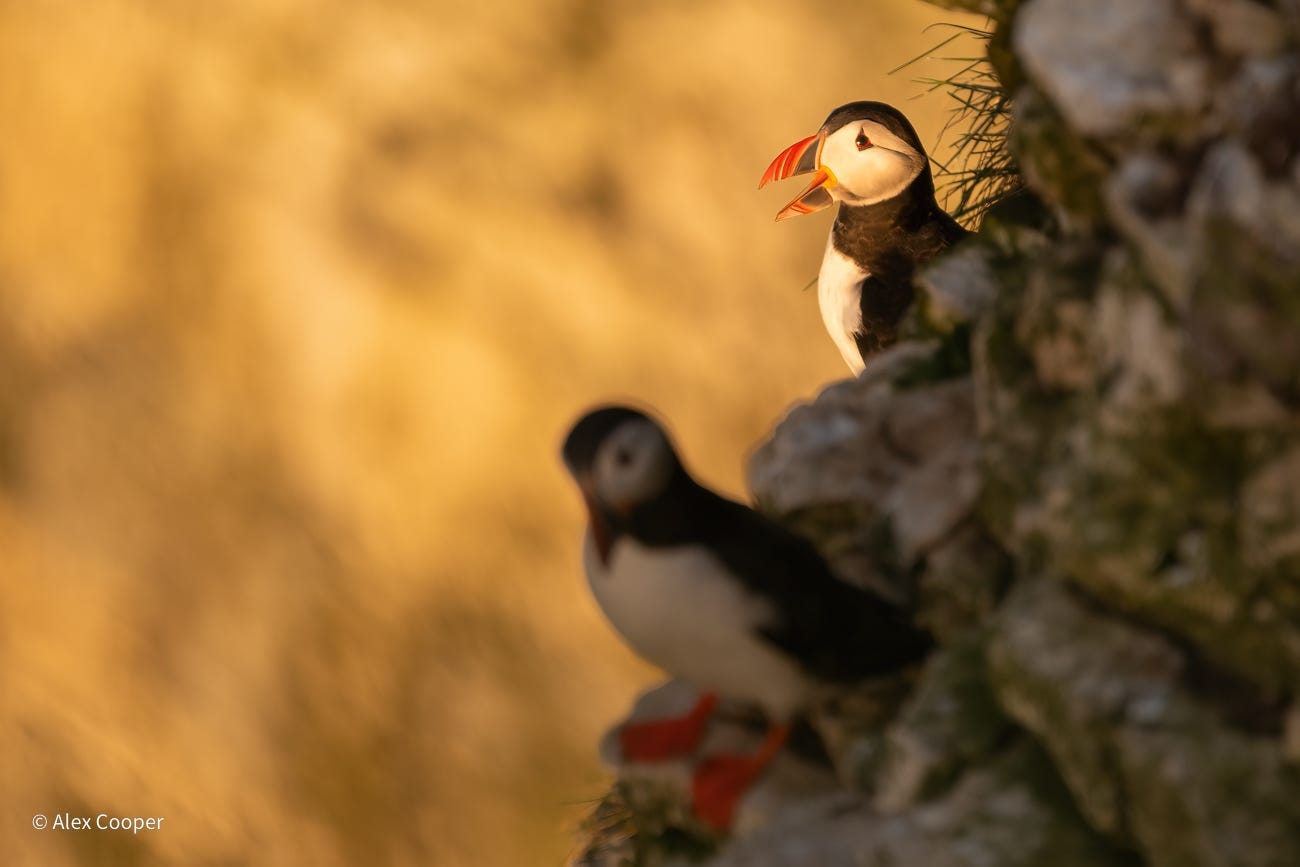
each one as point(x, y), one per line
point(719, 596)
point(867, 157)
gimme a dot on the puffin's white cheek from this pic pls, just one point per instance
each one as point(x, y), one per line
point(880, 175)
point(626, 486)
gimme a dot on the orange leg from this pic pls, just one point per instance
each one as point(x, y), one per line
point(662, 739)
point(721, 781)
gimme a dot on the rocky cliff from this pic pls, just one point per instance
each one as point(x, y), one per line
point(1082, 472)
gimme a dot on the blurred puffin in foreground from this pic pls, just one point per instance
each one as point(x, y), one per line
point(718, 596)
point(867, 157)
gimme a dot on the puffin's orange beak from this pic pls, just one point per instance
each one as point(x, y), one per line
point(799, 159)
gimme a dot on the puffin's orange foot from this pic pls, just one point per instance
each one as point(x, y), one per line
point(718, 786)
point(660, 740)
point(721, 781)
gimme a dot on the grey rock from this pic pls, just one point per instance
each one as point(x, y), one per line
point(1138, 347)
point(1258, 107)
point(1231, 185)
point(1092, 382)
point(1145, 759)
point(1056, 161)
point(1270, 515)
point(1240, 27)
point(1244, 309)
point(878, 474)
point(1202, 795)
point(1008, 814)
point(950, 722)
point(962, 582)
point(1243, 406)
point(1232, 189)
point(853, 724)
point(959, 287)
point(1140, 198)
point(1054, 669)
point(1053, 321)
point(1111, 65)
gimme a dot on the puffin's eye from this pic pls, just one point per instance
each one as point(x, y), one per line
point(862, 141)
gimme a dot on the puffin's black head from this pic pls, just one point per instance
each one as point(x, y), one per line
point(865, 152)
point(586, 435)
point(620, 457)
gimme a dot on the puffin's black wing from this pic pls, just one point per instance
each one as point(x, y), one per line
point(838, 632)
point(883, 302)
point(888, 292)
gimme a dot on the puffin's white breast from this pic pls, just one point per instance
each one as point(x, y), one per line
point(680, 609)
point(839, 295)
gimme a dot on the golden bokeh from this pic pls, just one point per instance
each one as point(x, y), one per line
point(296, 302)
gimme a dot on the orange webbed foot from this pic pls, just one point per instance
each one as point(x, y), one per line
point(721, 781)
point(661, 740)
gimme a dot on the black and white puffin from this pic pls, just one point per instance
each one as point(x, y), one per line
point(867, 157)
point(718, 596)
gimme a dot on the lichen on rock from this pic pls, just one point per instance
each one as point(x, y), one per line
point(1148, 759)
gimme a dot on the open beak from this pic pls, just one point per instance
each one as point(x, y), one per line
point(801, 158)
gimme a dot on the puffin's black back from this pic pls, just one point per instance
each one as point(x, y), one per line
point(838, 632)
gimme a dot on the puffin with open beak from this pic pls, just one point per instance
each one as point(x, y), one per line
point(867, 157)
point(720, 597)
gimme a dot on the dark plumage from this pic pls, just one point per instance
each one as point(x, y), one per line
point(836, 631)
point(890, 241)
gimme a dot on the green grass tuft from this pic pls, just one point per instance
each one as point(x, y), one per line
point(979, 170)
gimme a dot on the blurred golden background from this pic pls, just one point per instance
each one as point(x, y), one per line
point(296, 302)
